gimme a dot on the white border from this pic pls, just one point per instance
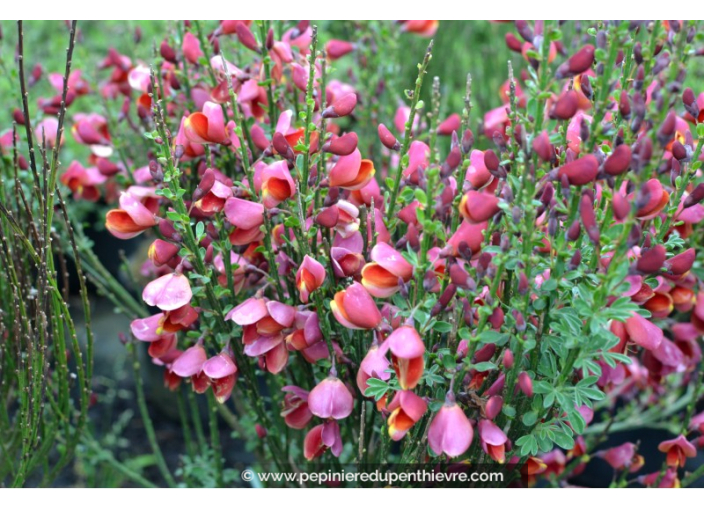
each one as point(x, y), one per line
point(337, 9)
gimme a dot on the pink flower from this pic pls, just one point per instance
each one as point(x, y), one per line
point(478, 174)
point(277, 184)
point(384, 276)
point(191, 362)
point(477, 207)
point(331, 399)
point(354, 308)
point(131, 219)
point(247, 217)
point(346, 254)
point(191, 48)
point(352, 172)
point(92, 130)
point(307, 337)
point(374, 365)
point(321, 438)
point(207, 126)
point(309, 277)
point(264, 324)
point(418, 159)
point(450, 431)
point(406, 409)
point(623, 457)
point(493, 440)
point(407, 355)
point(643, 332)
point(149, 329)
point(678, 450)
point(83, 182)
point(222, 371)
point(168, 292)
point(296, 413)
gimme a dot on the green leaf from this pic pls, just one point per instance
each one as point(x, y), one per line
point(442, 327)
point(485, 366)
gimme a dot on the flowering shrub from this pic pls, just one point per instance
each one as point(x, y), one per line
point(503, 287)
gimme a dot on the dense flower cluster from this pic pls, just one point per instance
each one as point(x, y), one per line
point(489, 291)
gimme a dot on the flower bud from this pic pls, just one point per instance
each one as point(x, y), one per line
point(651, 261)
point(543, 148)
point(246, 37)
point(690, 103)
point(580, 171)
point(342, 145)
point(525, 383)
point(342, 107)
point(566, 106)
point(387, 139)
point(577, 64)
point(619, 161)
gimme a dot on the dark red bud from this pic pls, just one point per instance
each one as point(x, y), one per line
point(586, 86)
point(678, 150)
point(328, 217)
point(624, 105)
point(577, 64)
point(18, 117)
point(574, 231)
point(621, 206)
point(525, 383)
point(619, 161)
point(493, 406)
point(491, 161)
point(282, 146)
point(342, 107)
point(543, 148)
point(167, 52)
point(342, 145)
point(575, 260)
point(652, 260)
point(513, 43)
point(680, 264)
point(580, 171)
point(696, 196)
point(246, 37)
point(388, 139)
point(690, 103)
point(566, 106)
point(467, 141)
point(586, 212)
point(508, 359)
point(667, 129)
